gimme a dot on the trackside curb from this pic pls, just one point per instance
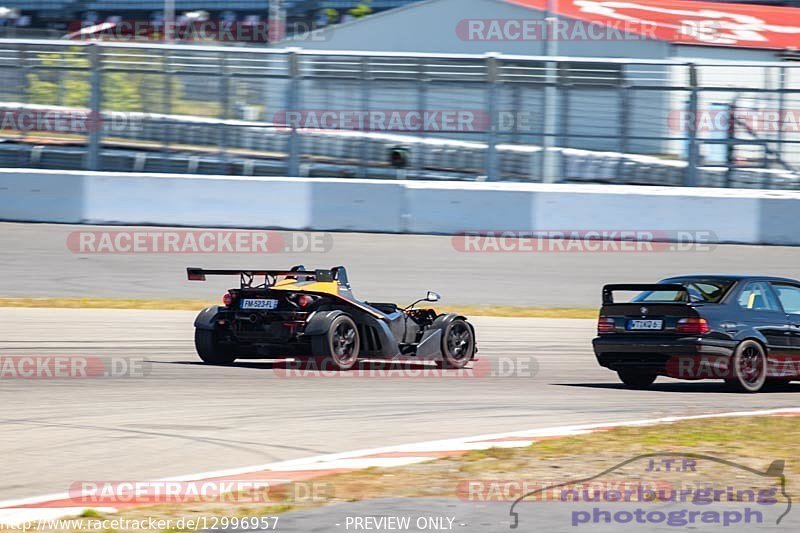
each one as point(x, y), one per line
point(13, 512)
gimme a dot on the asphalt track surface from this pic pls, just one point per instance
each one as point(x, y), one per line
point(174, 416)
point(35, 260)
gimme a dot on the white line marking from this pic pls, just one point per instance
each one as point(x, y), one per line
point(356, 464)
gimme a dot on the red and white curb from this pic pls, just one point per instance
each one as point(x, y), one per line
point(52, 506)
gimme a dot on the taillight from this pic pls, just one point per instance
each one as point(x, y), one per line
point(606, 325)
point(227, 299)
point(692, 326)
point(304, 300)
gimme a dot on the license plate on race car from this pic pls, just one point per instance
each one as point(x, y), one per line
point(260, 304)
point(645, 325)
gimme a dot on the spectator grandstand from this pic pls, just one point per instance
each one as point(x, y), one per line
point(52, 19)
point(44, 12)
point(245, 6)
point(62, 14)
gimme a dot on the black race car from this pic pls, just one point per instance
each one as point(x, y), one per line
point(743, 329)
point(313, 314)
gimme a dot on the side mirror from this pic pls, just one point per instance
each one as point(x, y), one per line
point(433, 297)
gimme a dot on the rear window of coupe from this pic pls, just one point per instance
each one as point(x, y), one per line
point(705, 291)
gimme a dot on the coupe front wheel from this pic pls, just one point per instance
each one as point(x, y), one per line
point(748, 368)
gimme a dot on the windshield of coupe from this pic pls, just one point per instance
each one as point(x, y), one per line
point(705, 291)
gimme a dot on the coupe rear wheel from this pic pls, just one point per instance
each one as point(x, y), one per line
point(748, 367)
point(637, 379)
point(458, 345)
point(339, 348)
point(209, 350)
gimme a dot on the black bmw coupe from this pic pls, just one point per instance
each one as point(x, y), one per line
point(741, 329)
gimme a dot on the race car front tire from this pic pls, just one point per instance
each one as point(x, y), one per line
point(209, 350)
point(458, 345)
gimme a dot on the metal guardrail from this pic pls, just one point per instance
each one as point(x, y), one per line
point(260, 149)
point(638, 121)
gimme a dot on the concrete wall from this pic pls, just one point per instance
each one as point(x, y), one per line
point(189, 200)
point(725, 215)
point(42, 195)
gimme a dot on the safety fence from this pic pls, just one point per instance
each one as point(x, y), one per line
point(251, 111)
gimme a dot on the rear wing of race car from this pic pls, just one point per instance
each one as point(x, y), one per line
point(246, 276)
point(609, 290)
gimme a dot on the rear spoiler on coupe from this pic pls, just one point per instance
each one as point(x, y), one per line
point(609, 290)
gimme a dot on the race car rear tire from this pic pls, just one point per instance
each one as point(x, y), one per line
point(749, 368)
point(209, 350)
point(338, 348)
point(458, 345)
point(637, 379)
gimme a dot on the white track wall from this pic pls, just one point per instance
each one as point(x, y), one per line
point(740, 216)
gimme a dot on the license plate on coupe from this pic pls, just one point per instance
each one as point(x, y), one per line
point(260, 304)
point(645, 325)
